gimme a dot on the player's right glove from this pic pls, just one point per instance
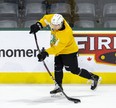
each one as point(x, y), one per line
point(35, 27)
point(42, 55)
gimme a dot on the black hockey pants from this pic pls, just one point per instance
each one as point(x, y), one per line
point(70, 62)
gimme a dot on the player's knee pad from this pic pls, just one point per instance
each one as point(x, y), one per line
point(74, 70)
point(58, 68)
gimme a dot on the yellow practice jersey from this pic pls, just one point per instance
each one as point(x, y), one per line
point(62, 41)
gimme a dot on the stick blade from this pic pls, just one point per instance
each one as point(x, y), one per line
point(74, 100)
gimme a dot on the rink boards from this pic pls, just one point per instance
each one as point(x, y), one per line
point(18, 62)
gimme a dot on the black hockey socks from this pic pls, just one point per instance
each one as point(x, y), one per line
point(59, 76)
point(85, 74)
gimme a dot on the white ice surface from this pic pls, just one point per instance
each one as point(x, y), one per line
point(37, 96)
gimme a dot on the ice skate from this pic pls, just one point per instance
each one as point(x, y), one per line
point(95, 81)
point(57, 91)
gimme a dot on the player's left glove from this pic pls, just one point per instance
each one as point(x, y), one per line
point(42, 55)
point(35, 27)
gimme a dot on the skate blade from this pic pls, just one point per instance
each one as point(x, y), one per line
point(57, 94)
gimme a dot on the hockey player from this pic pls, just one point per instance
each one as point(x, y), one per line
point(65, 49)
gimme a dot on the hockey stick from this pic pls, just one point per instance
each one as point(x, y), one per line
point(69, 98)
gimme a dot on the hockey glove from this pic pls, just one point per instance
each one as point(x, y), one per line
point(41, 56)
point(35, 27)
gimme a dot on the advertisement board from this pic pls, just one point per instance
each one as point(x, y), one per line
point(19, 64)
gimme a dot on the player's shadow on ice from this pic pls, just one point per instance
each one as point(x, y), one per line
point(48, 99)
point(40, 100)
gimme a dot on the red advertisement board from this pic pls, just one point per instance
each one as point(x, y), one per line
point(101, 44)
